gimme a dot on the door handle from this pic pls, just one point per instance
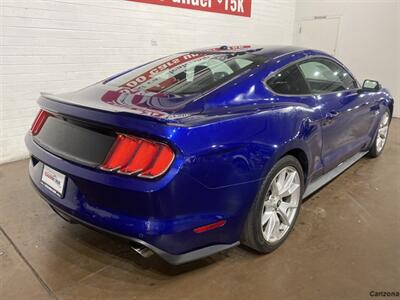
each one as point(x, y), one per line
point(332, 114)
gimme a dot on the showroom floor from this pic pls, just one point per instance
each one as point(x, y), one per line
point(346, 243)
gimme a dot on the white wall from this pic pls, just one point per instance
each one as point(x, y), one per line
point(55, 46)
point(369, 37)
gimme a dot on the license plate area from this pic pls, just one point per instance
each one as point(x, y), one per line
point(53, 180)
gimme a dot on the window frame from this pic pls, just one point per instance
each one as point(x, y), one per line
point(303, 60)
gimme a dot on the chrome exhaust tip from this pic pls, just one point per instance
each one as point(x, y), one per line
point(143, 251)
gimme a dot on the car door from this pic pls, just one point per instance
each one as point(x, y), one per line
point(345, 114)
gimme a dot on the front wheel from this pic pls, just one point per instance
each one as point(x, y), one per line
point(380, 136)
point(275, 210)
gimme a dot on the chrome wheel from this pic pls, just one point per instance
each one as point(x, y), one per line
point(382, 132)
point(280, 204)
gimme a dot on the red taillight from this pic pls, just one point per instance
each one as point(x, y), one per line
point(39, 121)
point(135, 156)
point(121, 153)
point(210, 226)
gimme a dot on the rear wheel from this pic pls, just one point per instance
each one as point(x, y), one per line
point(381, 136)
point(274, 212)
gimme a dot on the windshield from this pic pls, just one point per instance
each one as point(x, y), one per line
point(186, 73)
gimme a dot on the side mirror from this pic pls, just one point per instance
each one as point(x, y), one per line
point(370, 86)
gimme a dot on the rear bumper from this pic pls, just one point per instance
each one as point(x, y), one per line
point(153, 213)
point(175, 259)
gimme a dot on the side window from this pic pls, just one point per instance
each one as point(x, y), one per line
point(325, 76)
point(290, 81)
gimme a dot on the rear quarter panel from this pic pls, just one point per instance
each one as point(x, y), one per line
point(243, 149)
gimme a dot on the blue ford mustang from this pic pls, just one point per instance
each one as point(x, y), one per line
point(197, 152)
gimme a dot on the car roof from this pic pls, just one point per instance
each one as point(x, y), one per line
point(267, 51)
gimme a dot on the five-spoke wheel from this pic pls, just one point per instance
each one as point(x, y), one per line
point(275, 210)
point(382, 132)
point(280, 204)
point(381, 135)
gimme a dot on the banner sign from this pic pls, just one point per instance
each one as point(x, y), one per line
point(229, 7)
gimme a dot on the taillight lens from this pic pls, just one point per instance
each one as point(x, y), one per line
point(39, 121)
point(135, 156)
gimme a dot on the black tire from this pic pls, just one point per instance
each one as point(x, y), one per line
point(252, 235)
point(374, 151)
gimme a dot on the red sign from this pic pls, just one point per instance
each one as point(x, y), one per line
point(229, 7)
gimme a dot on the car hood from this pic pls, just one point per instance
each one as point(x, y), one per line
point(155, 105)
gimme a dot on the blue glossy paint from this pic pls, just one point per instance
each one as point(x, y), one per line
point(226, 141)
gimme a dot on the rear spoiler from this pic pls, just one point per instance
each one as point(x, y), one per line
point(102, 106)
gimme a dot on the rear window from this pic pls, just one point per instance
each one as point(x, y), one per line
point(186, 73)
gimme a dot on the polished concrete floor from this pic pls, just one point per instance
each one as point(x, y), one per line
point(346, 243)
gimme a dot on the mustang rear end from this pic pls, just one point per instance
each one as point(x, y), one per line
point(124, 180)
